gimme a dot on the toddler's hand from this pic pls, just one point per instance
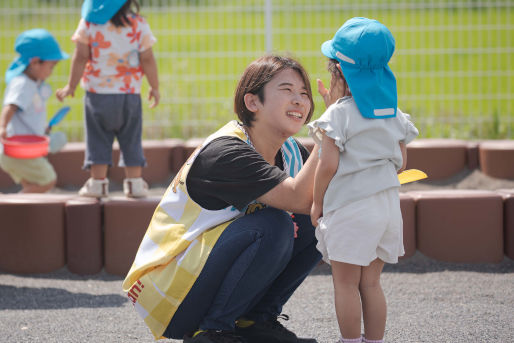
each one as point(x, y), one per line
point(316, 213)
point(325, 93)
point(64, 92)
point(3, 133)
point(154, 93)
point(338, 89)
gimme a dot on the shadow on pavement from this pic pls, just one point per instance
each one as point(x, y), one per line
point(419, 264)
point(65, 274)
point(29, 298)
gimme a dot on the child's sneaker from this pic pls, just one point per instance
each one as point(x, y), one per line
point(135, 187)
point(95, 188)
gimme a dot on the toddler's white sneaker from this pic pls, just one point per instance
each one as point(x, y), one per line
point(95, 188)
point(135, 187)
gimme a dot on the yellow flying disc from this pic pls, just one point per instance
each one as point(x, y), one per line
point(411, 175)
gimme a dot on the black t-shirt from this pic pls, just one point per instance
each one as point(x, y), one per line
point(229, 172)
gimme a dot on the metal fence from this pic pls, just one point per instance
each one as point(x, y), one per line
point(453, 59)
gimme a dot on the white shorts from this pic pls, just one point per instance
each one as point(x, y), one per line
point(363, 230)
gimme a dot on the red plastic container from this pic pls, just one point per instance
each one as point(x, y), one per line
point(26, 146)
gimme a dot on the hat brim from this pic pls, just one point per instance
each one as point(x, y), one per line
point(328, 50)
point(57, 56)
point(374, 90)
point(100, 13)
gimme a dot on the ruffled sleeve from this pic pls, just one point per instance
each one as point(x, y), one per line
point(147, 39)
point(331, 123)
point(411, 131)
point(81, 35)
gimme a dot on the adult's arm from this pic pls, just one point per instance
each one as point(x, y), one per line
point(229, 172)
point(294, 194)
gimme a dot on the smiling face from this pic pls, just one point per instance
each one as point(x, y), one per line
point(257, 76)
point(285, 105)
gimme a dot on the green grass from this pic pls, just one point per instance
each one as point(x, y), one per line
point(454, 66)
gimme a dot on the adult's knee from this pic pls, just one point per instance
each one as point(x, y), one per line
point(277, 230)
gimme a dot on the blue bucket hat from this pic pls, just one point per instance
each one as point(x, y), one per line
point(363, 47)
point(100, 11)
point(33, 43)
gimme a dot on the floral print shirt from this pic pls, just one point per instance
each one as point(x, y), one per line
point(114, 66)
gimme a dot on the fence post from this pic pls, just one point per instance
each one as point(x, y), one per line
point(269, 28)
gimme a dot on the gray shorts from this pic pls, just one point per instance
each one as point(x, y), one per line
point(109, 116)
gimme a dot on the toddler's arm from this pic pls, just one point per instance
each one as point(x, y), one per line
point(79, 60)
point(150, 69)
point(5, 117)
point(403, 148)
point(325, 170)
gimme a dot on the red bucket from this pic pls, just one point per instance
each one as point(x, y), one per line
point(26, 146)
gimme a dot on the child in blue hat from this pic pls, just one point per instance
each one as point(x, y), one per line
point(24, 107)
point(113, 51)
point(356, 205)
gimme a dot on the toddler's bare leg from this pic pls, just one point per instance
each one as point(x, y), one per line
point(98, 171)
point(346, 279)
point(28, 187)
point(374, 305)
point(133, 172)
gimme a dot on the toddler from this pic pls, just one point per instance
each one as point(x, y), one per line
point(356, 204)
point(24, 107)
point(113, 51)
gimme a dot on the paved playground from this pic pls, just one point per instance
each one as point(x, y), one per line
point(428, 301)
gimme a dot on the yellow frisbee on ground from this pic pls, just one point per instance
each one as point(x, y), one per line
point(411, 175)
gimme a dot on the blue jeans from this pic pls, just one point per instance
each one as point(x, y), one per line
point(253, 269)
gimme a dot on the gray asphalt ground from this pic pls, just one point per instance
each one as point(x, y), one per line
point(428, 301)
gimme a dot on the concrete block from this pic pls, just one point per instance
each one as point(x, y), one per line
point(84, 237)
point(125, 223)
point(460, 225)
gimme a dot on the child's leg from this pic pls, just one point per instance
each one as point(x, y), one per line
point(133, 172)
point(346, 279)
point(29, 187)
point(374, 306)
point(36, 175)
point(99, 171)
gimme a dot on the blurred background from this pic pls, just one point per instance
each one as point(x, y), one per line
point(454, 60)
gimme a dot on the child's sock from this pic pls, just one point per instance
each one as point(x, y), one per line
point(351, 340)
point(373, 341)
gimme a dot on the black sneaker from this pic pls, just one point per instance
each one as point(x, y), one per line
point(214, 336)
point(270, 331)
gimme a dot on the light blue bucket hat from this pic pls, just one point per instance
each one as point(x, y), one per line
point(33, 43)
point(363, 47)
point(100, 11)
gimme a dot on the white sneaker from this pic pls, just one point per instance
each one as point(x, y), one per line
point(95, 188)
point(135, 187)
